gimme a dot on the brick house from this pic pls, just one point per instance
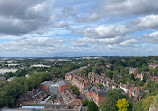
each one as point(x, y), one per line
point(81, 83)
point(133, 71)
point(68, 76)
point(32, 97)
point(136, 93)
point(125, 87)
point(70, 99)
point(98, 95)
point(62, 86)
point(153, 66)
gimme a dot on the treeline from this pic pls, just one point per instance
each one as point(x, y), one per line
point(9, 91)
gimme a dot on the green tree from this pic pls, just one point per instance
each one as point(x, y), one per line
point(110, 103)
point(137, 106)
point(92, 106)
point(53, 97)
point(155, 101)
point(145, 78)
point(85, 102)
point(131, 77)
point(75, 89)
point(122, 104)
point(146, 102)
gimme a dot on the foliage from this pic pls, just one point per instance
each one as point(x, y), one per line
point(92, 106)
point(9, 91)
point(75, 89)
point(122, 104)
point(137, 106)
point(53, 97)
point(151, 86)
point(99, 85)
point(146, 103)
point(110, 103)
point(85, 102)
point(131, 77)
point(155, 101)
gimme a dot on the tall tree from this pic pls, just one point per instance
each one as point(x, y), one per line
point(110, 103)
point(92, 106)
point(122, 104)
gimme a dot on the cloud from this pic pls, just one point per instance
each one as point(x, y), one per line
point(128, 7)
point(69, 11)
point(90, 18)
point(151, 38)
point(24, 16)
point(143, 23)
point(113, 9)
point(103, 31)
point(61, 24)
point(32, 46)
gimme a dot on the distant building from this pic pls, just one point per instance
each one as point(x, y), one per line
point(11, 78)
point(153, 66)
point(2, 79)
point(10, 65)
point(133, 71)
point(39, 65)
point(27, 76)
point(5, 70)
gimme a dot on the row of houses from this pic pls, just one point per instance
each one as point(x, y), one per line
point(134, 93)
point(98, 95)
point(150, 76)
point(32, 97)
point(85, 86)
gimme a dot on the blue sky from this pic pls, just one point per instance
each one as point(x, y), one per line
point(48, 28)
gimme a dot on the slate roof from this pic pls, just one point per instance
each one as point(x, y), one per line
point(102, 93)
point(61, 83)
point(67, 97)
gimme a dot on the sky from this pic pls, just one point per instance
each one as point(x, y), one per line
point(68, 28)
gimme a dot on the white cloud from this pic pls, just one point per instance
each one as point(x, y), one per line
point(151, 38)
point(143, 23)
point(33, 46)
point(61, 24)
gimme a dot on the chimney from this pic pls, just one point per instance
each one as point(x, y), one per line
point(66, 94)
point(136, 91)
point(69, 98)
point(133, 86)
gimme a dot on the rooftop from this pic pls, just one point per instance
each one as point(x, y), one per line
point(61, 83)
